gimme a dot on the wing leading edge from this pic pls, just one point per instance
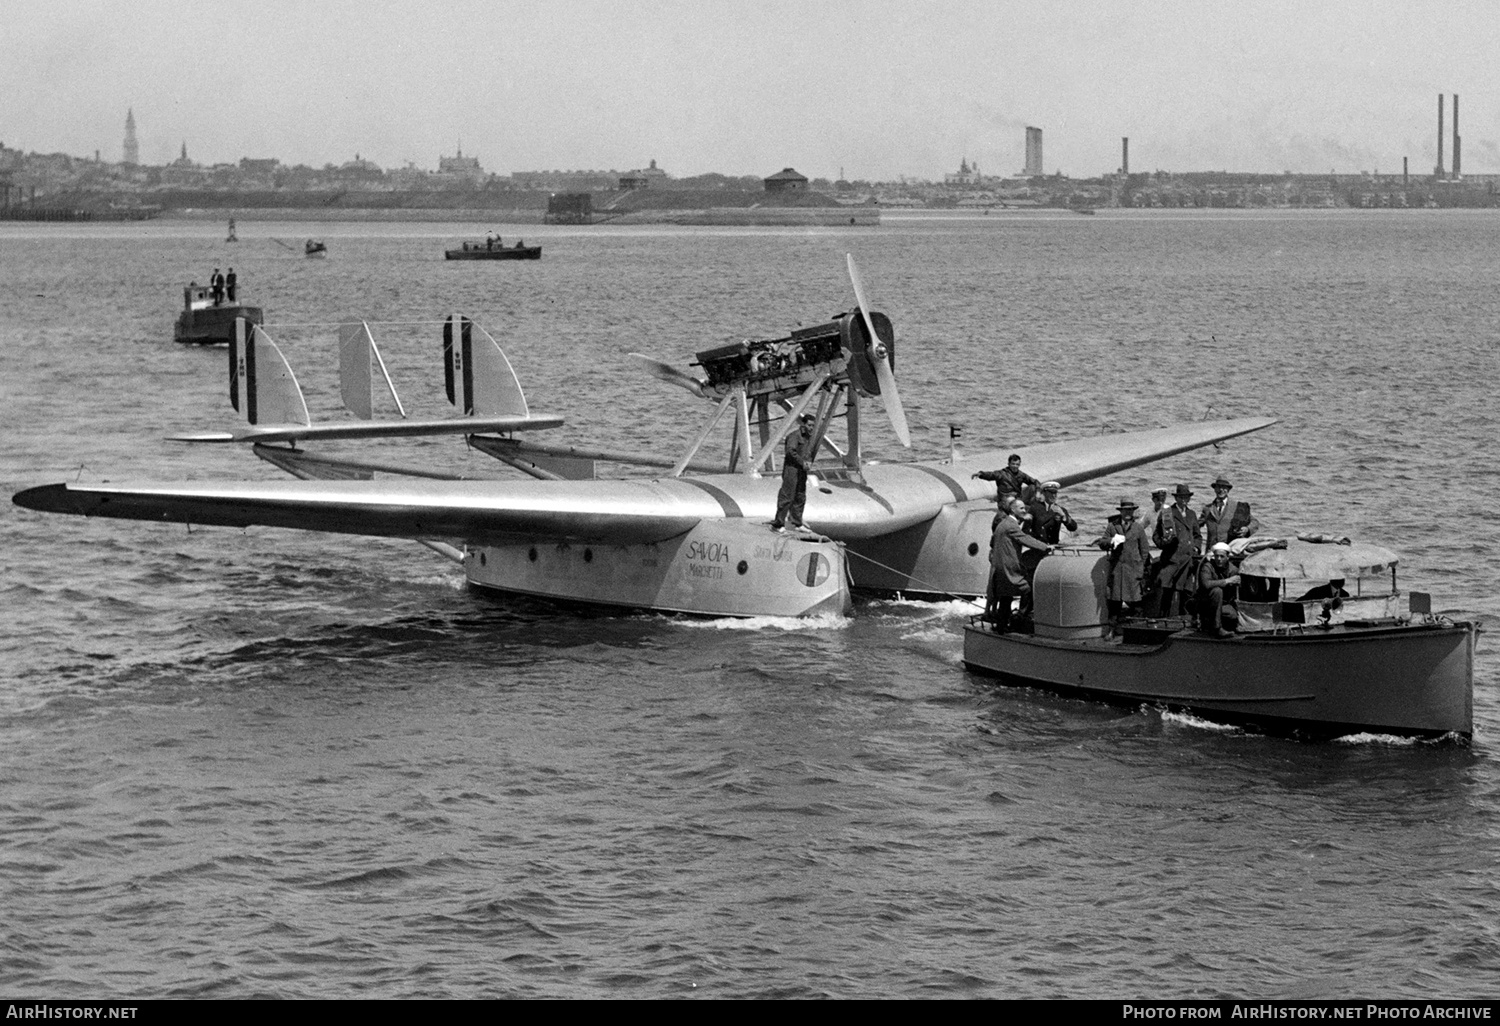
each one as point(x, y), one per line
point(895, 497)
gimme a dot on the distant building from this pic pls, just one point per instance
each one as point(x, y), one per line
point(460, 169)
point(643, 178)
point(967, 174)
point(786, 180)
point(1033, 152)
point(251, 165)
point(132, 148)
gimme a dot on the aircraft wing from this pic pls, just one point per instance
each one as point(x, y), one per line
point(478, 511)
point(892, 496)
point(1083, 459)
point(372, 429)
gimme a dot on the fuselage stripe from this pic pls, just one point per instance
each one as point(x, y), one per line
point(959, 495)
point(730, 507)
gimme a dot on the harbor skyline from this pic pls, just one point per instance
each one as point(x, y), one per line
point(879, 91)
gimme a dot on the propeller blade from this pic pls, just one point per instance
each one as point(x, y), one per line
point(883, 373)
point(673, 375)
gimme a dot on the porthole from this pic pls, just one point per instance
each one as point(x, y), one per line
point(588, 555)
point(531, 555)
point(743, 567)
point(482, 560)
point(973, 548)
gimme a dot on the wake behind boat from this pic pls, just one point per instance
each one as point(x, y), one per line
point(1340, 658)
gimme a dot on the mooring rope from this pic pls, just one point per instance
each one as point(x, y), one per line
point(934, 589)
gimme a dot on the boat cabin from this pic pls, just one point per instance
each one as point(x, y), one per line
point(1299, 584)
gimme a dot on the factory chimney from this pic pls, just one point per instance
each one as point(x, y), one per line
point(1125, 156)
point(1457, 142)
point(1438, 173)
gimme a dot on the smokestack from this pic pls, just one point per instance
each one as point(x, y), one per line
point(1439, 171)
point(1456, 141)
point(1125, 155)
point(1405, 180)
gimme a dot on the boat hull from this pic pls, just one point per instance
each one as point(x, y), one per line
point(1407, 680)
point(499, 253)
point(213, 325)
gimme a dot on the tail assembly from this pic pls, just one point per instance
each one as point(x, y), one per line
point(479, 379)
point(356, 345)
point(262, 387)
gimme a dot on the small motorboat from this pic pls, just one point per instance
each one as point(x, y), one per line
point(315, 248)
point(1324, 648)
point(206, 323)
point(493, 249)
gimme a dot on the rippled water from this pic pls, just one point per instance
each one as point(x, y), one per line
point(266, 763)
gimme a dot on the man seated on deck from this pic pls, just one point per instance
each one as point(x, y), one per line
point(1218, 587)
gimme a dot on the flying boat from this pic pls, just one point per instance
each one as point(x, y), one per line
point(686, 534)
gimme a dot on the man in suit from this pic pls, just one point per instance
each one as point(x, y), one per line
point(1007, 580)
point(1224, 521)
point(1124, 539)
point(1176, 536)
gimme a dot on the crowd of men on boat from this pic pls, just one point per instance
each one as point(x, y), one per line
point(1193, 573)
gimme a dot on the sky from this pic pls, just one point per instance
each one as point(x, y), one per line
point(870, 89)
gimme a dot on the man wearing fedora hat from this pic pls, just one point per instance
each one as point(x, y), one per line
point(1176, 536)
point(1224, 521)
point(1124, 539)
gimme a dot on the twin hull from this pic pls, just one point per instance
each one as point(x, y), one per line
point(738, 567)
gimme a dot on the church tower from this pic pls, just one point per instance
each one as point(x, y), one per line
point(132, 148)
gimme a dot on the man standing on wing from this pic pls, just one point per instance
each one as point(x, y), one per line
point(796, 459)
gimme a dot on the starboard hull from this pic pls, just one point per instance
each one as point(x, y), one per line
point(1408, 680)
point(718, 568)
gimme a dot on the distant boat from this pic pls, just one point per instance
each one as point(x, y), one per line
point(491, 249)
point(315, 248)
point(204, 323)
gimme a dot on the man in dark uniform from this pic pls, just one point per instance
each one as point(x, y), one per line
point(796, 459)
point(1012, 481)
point(1224, 521)
point(1048, 518)
point(1218, 587)
point(1176, 536)
point(229, 283)
point(216, 286)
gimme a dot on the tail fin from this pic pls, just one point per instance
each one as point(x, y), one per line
point(479, 379)
point(262, 386)
point(355, 372)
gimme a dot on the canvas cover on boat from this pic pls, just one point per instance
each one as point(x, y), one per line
point(1309, 561)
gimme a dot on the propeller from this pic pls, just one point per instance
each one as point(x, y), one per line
point(883, 372)
point(673, 375)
